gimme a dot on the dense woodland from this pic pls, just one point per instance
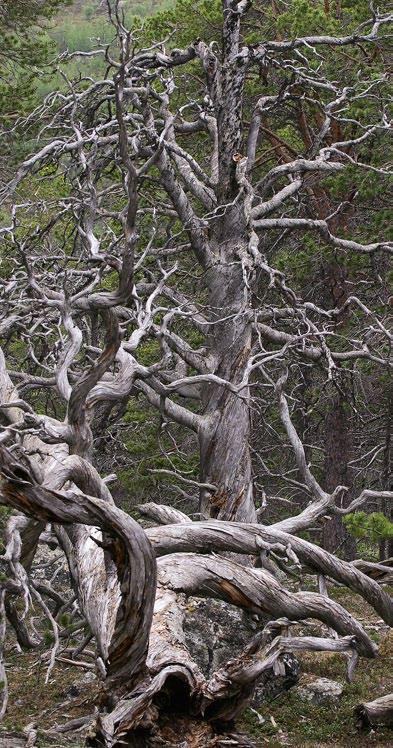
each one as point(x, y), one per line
point(196, 401)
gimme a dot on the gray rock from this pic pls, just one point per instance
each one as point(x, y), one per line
point(89, 677)
point(321, 691)
point(216, 632)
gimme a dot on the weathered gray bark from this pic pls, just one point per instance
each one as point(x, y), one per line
point(146, 654)
point(225, 437)
point(122, 637)
point(375, 713)
point(256, 591)
point(147, 670)
point(216, 536)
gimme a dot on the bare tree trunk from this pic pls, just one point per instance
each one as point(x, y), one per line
point(225, 440)
point(337, 456)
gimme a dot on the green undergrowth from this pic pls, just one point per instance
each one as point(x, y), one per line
point(292, 721)
point(33, 700)
point(289, 720)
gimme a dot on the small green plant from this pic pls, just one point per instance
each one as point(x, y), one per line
point(48, 637)
point(373, 527)
point(65, 619)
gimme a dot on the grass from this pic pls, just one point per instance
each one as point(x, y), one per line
point(32, 700)
point(301, 724)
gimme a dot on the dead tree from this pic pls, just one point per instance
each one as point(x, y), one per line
point(110, 262)
point(374, 713)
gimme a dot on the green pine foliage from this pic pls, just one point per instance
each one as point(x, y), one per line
point(373, 527)
point(24, 47)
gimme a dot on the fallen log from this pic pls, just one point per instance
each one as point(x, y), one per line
point(375, 713)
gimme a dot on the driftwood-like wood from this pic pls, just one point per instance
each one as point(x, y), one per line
point(382, 572)
point(375, 713)
point(124, 641)
point(90, 310)
point(167, 665)
point(205, 537)
point(257, 591)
